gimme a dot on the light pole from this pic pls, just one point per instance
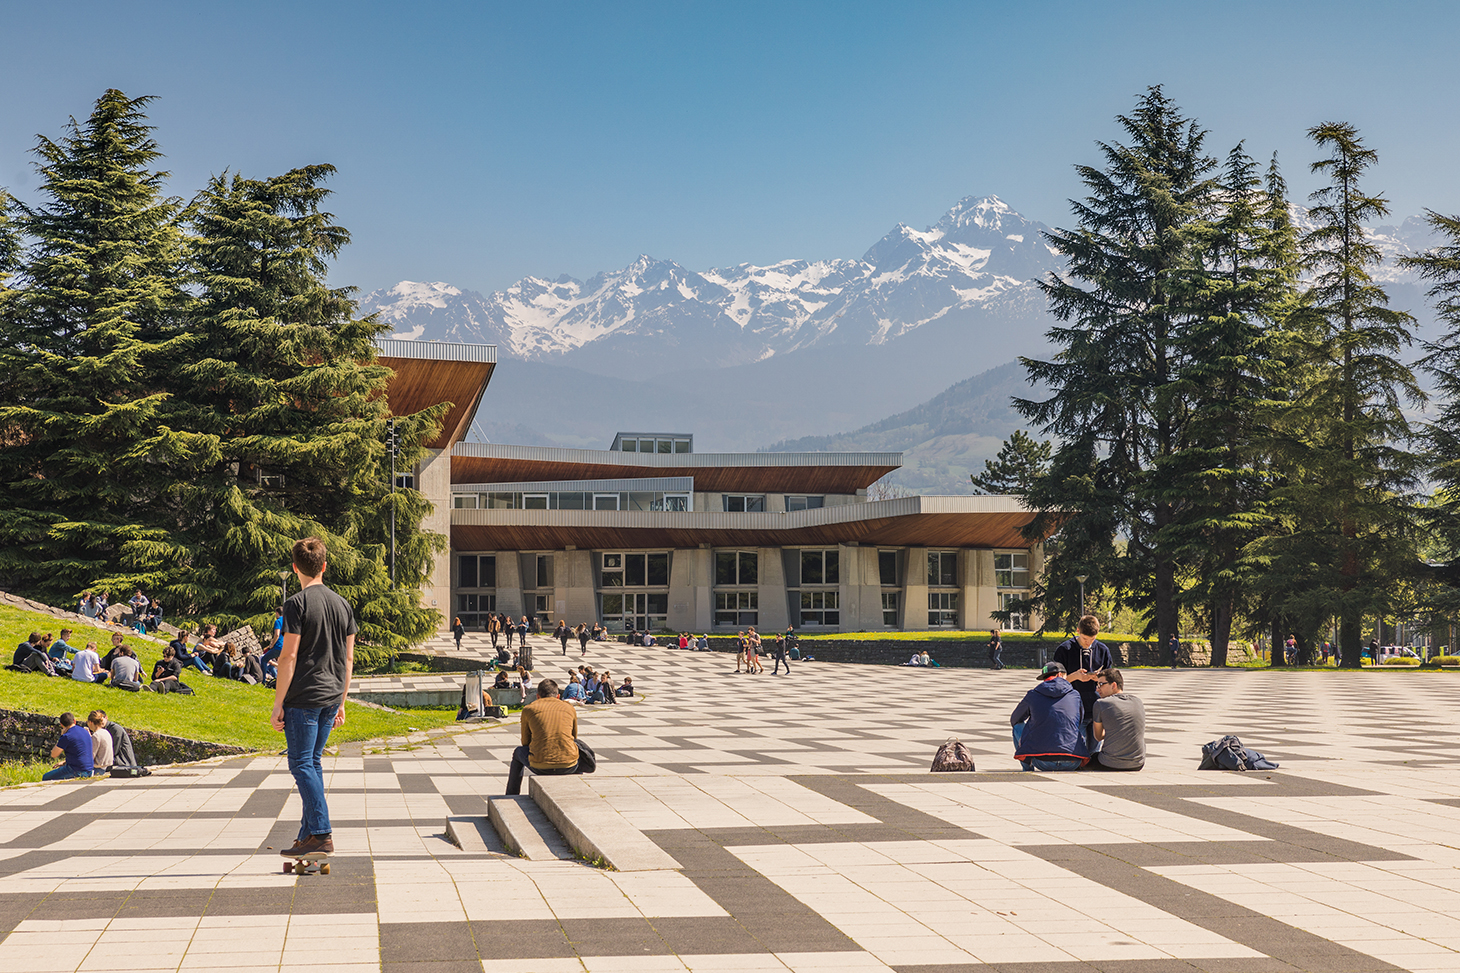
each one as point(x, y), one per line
point(394, 447)
point(284, 586)
point(1081, 578)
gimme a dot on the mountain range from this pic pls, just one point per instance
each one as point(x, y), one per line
point(743, 356)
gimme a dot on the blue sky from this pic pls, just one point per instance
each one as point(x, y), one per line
point(480, 142)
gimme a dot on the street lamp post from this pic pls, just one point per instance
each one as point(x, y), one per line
point(394, 448)
point(1081, 578)
point(284, 586)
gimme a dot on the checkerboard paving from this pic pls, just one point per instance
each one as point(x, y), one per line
point(809, 833)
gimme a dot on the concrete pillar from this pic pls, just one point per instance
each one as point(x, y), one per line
point(861, 589)
point(509, 584)
point(771, 592)
point(1036, 571)
point(915, 591)
point(434, 482)
point(691, 602)
point(979, 596)
point(573, 595)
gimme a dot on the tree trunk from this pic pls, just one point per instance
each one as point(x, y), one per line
point(1277, 656)
point(1350, 641)
point(1221, 629)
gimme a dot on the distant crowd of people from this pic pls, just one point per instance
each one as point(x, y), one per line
point(146, 613)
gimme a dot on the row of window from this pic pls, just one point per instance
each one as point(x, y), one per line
point(656, 445)
point(735, 503)
point(573, 500)
point(734, 568)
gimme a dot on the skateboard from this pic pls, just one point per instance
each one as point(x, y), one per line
point(300, 866)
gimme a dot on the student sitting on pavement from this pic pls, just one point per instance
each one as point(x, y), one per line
point(76, 746)
point(604, 693)
point(627, 689)
point(549, 738)
point(86, 667)
point(502, 682)
point(1047, 724)
point(916, 660)
point(573, 691)
point(101, 743)
point(1120, 725)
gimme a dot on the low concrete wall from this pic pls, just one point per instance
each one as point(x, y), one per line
point(30, 736)
point(1018, 653)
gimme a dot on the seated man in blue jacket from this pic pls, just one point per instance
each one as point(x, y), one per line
point(1047, 724)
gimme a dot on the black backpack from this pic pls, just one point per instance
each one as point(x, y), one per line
point(1228, 753)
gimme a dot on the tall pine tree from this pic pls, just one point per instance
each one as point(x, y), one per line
point(1021, 460)
point(1247, 270)
point(1131, 292)
point(279, 374)
point(1345, 499)
point(84, 451)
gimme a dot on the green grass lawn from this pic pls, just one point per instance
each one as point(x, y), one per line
point(223, 711)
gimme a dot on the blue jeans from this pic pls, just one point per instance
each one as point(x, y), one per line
point(272, 654)
point(306, 731)
point(64, 772)
point(1043, 763)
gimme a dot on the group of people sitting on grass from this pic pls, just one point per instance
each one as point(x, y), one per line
point(121, 669)
point(1079, 716)
point(146, 613)
point(224, 660)
point(90, 749)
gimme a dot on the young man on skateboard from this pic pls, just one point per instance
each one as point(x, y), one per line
point(309, 697)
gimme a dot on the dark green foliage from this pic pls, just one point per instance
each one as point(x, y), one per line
point(1131, 290)
point(87, 338)
point(1020, 462)
point(1344, 539)
point(181, 438)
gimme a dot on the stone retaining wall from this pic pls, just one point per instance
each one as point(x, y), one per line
point(30, 736)
point(1018, 653)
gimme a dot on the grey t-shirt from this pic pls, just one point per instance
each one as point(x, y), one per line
point(323, 621)
point(126, 669)
point(1123, 718)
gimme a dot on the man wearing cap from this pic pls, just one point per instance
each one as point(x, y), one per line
point(1083, 656)
point(1047, 724)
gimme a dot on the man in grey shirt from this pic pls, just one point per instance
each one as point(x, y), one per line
point(1120, 725)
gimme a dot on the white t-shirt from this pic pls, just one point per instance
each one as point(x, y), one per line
point(101, 749)
point(86, 661)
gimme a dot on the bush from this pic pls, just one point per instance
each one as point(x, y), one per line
point(1400, 661)
point(371, 658)
point(1445, 660)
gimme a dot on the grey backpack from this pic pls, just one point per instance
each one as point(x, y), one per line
point(952, 757)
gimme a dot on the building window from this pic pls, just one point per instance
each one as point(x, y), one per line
point(1009, 602)
point(819, 608)
point(464, 501)
point(820, 567)
point(271, 481)
point(635, 570)
point(805, 503)
point(1011, 570)
point(887, 568)
point(671, 501)
point(605, 501)
point(476, 571)
point(542, 611)
point(470, 604)
point(889, 609)
point(736, 608)
point(744, 504)
point(544, 571)
point(942, 569)
point(942, 609)
point(634, 611)
point(534, 501)
point(737, 568)
point(405, 481)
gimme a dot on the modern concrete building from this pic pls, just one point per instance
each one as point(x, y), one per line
point(650, 534)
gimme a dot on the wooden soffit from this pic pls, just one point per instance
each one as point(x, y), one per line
point(708, 479)
point(421, 383)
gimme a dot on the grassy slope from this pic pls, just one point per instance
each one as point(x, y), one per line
point(223, 711)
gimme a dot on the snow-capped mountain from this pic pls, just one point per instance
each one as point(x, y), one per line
point(656, 311)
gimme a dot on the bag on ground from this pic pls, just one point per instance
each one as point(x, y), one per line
point(952, 757)
point(1228, 753)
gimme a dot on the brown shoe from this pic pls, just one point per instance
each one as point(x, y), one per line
point(315, 846)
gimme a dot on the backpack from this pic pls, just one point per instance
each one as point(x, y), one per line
point(951, 757)
point(1228, 753)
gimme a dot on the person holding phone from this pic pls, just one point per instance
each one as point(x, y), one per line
point(1083, 656)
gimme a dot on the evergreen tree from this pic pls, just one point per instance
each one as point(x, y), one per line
point(1440, 265)
point(1021, 460)
point(1232, 368)
point(1348, 538)
point(1131, 289)
point(280, 376)
point(84, 451)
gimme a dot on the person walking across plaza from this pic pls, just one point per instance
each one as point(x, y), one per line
point(996, 649)
point(562, 633)
point(313, 682)
point(783, 653)
point(457, 631)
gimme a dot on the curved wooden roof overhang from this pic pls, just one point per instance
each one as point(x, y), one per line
point(428, 373)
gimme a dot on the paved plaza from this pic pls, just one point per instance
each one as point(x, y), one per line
point(808, 835)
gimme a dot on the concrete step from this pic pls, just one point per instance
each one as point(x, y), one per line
point(593, 828)
point(525, 830)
